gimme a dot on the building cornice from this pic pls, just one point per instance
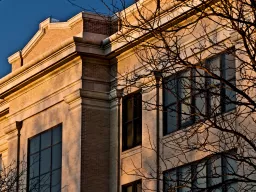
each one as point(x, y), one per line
point(116, 43)
point(34, 70)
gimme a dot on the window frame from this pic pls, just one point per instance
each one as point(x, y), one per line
point(179, 101)
point(59, 126)
point(133, 184)
point(207, 160)
point(193, 94)
point(135, 121)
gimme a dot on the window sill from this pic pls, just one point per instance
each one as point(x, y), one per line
point(131, 151)
point(167, 137)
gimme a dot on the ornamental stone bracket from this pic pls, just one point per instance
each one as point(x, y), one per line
point(74, 99)
point(89, 98)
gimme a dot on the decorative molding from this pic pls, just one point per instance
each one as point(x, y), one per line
point(4, 112)
point(86, 94)
point(69, 99)
point(88, 98)
point(39, 106)
point(47, 23)
point(14, 57)
point(10, 131)
point(35, 67)
point(68, 24)
point(3, 148)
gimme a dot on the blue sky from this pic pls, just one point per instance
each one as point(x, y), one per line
point(20, 19)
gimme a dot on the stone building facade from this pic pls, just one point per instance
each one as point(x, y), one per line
point(65, 81)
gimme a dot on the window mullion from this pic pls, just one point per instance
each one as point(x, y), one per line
point(133, 127)
point(178, 104)
point(207, 93)
point(192, 96)
point(39, 164)
point(208, 164)
point(177, 180)
point(222, 85)
point(223, 172)
point(51, 161)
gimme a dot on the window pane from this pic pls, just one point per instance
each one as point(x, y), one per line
point(128, 135)
point(56, 180)
point(215, 101)
point(34, 185)
point(45, 181)
point(199, 84)
point(34, 165)
point(214, 66)
point(230, 97)
point(139, 187)
point(219, 189)
point(233, 187)
point(215, 173)
point(200, 176)
point(200, 106)
point(186, 112)
point(230, 68)
point(56, 132)
point(171, 119)
point(170, 181)
point(230, 168)
point(170, 91)
point(184, 179)
point(34, 144)
point(137, 106)
point(45, 161)
point(185, 85)
point(128, 110)
point(137, 131)
point(128, 189)
point(46, 139)
point(56, 156)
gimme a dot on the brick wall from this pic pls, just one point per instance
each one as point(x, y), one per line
point(95, 139)
point(104, 27)
point(95, 150)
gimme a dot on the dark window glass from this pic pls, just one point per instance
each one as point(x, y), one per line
point(132, 187)
point(194, 95)
point(56, 156)
point(229, 74)
point(132, 123)
point(34, 144)
point(177, 102)
point(199, 176)
point(214, 173)
point(44, 157)
point(45, 161)
point(34, 184)
point(56, 135)
point(34, 165)
point(170, 180)
point(45, 182)
point(46, 139)
point(56, 180)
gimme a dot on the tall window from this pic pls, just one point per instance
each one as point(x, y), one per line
point(192, 95)
point(44, 161)
point(215, 173)
point(177, 102)
point(1, 163)
point(132, 187)
point(132, 122)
